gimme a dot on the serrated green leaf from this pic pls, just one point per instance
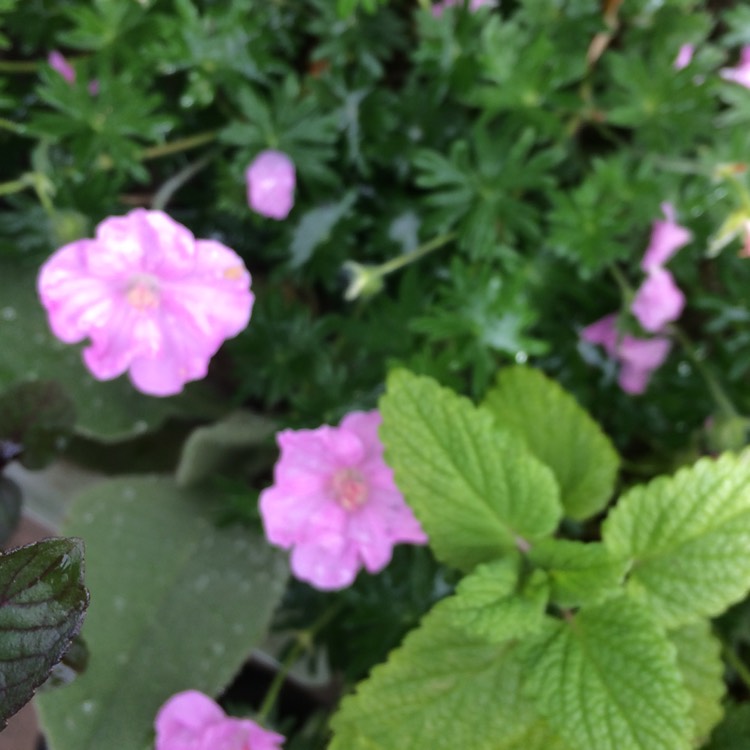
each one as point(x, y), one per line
point(42, 604)
point(607, 679)
point(560, 433)
point(686, 538)
point(699, 661)
point(579, 573)
point(475, 489)
point(443, 690)
point(176, 604)
point(210, 448)
point(492, 604)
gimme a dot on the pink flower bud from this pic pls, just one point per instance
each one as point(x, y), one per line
point(684, 56)
point(58, 63)
point(271, 181)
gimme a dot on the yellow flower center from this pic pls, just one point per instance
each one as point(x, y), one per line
point(349, 489)
point(233, 273)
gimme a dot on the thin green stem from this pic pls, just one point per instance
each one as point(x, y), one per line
point(625, 289)
point(717, 392)
point(734, 661)
point(404, 260)
point(175, 147)
point(173, 184)
point(303, 642)
point(18, 66)
point(15, 186)
point(14, 127)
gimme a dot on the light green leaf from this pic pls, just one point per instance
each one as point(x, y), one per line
point(579, 573)
point(490, 604)
point(111, 410)
point(316, 226)
point(560, 433)
point(475, 489)
point(607, 679)
point(210, 448)
point(175, 603)
point(699, 660)
point(686, 538)
point(443, 690)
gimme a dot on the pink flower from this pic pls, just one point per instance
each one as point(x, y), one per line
point(684, 56)
point(335, 502)
point(658, 301)
point(58, 62)
point(271, 180)
point(192, 721)
point(667, 237)
point(741, 73)
point(152, 299)
point(474, 5)
point(638, 358)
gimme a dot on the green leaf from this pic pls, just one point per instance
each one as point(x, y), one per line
point(208, 449)
point(42, 605)
point(315, 227)
point(475, 489)
point(560, 433)
point(734, 732)
point(686, 538)
point(38, 354)
point(36, 415)
point(176, 604)
point(607, 679)
point(491, 603)
point(442, 690)
point(699, 660)
point(579, 573)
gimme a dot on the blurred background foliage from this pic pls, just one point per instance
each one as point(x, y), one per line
point(529, 144)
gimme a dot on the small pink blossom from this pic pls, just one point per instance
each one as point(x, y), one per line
point(741, 73)
point(334, 501)
point(474, 5)
point(192, 721)
point(637, 358)
point(152, 299)
point(667, 237)
point(271, 179)
point(658, 301)
point(58, 63)
point(684, 56)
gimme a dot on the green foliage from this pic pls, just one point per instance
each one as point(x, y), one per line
point(172, 598)
point(560, 434)
point(42, 608)
point(442, 448)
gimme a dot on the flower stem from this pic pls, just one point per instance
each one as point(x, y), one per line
point(14, 127)
point(734, 661)
point(717, 392)
point(175, 147)
point(173, 184)
point(302, 642)
point(18, 66)
point(15, 186)
point(419, 252)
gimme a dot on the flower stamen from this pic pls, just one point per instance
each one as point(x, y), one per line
point(349, 489)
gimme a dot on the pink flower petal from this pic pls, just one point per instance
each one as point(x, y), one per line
point(667, 237)
point(684, 56)
point(238, 734)
point(182, 718)
point(323, 568)
point(741, 73)
point(603, 332)
point(658, 301)
point(150, 297)
point(59, 64)
point(271, 179)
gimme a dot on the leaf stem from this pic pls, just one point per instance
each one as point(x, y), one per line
point(18, 66)
point(419, 252)
point(303, 641)
point(734, 661)
point(175, 147)
point(14, 127)
point(175, 182)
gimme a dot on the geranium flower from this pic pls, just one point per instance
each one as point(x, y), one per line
point(741, 73)
point(271, 179)
point(58, 63)
point(192, 721)
point(658, 301)
point(667, 237)
point(334, 501)
point(638, 358)
point(153, 300)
